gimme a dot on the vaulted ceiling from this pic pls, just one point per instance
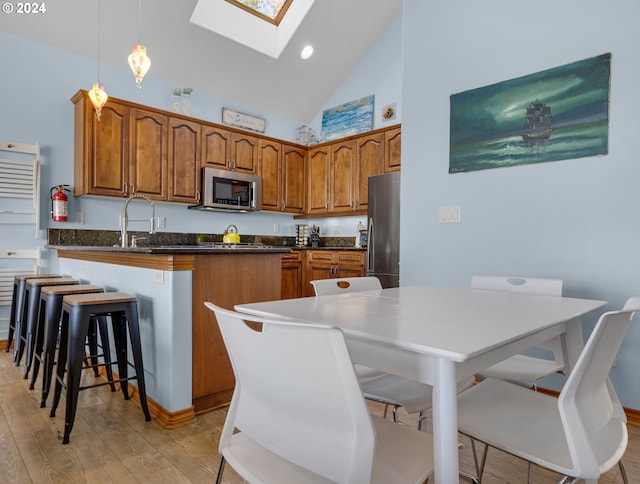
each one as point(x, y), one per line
point(189, 55)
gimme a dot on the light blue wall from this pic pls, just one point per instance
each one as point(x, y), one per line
point(379, 73)
point(577, 220)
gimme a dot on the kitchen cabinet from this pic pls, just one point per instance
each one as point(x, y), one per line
point(328, 264)
point(282, 168)
point(338, 172)
point(184, 161)
point(148, 154)
point(292, 273)
point(229, 150)
point(101, 148)
point(392, 142)
point(342, 169)
point(293, 178)
point(318, 180)
point(123, 153)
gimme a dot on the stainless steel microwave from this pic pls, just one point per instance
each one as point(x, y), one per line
point(229, 191)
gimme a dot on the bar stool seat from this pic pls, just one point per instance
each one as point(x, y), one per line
point(17, 303)
point(77, 309)
point(29, 321)
point(49, 314)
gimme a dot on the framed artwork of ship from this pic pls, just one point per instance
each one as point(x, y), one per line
point(556, 114)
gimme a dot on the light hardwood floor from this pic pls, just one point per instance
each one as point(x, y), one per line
point(111, 443)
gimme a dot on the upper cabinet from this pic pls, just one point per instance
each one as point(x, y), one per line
point(392, 140)
point(184, 160)
point(135, 149)
point(338, 172)
point(282, 168)
point(229, 150)
point(123, 153)
point(148, 138)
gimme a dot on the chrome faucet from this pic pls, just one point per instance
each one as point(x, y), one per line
point(125, 219)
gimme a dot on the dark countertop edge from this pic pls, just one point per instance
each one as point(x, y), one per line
point(170, 250)
point(296, 247)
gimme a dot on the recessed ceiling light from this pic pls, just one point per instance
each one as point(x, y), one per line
point(306, 52)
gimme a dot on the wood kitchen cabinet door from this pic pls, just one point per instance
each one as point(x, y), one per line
point(318, 184)
point(184, 161)
point(370, 156)
point(148, 154)
point(293, 178)
point(244, 153)
point(343, 168)
point(292, 275)
point(216, 146)
point(269, 168)
point(101, 149)
point(393, 138)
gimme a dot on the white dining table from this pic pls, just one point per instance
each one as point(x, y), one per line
point(439, 335)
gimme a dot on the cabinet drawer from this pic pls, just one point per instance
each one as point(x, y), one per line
point(354, 257)
point(294, 256)
point(320, 255)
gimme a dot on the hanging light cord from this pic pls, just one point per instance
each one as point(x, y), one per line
point(99, 22)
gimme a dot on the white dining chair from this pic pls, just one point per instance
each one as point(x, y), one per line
point(522, 369)
point(580, 434)
point(297, 413)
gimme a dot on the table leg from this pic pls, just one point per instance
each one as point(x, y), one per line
point(445, 422)
point(572, 343)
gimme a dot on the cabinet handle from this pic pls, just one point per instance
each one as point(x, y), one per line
point(284, 205)
point(125, 189)
point(133, 189)
point(229, 165)
point(198, 195)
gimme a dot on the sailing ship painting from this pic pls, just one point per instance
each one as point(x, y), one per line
point(539, 123)
point(558, 114)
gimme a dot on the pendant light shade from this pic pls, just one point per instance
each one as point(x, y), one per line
point(98, 97)
point(139, 63)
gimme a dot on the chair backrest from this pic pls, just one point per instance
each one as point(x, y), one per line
point(327, 287)
point(297, 395)
point(591, 413)
point(534, 286)
point(524, 285)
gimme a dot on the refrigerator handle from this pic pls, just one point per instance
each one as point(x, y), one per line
point(370, 249)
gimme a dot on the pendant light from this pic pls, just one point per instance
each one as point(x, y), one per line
point(138, 59)
point(97, 94)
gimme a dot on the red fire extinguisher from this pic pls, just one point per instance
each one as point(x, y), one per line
point(59, 204)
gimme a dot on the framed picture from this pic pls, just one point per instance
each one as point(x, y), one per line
point(241, 120)
point(347, 119)
point(556, 114)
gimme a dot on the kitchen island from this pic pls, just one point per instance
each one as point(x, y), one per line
point(187, 370)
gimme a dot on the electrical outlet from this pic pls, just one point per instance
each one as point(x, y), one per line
point(337, 229)
point(84, 265)
point(80, 218)
point(161, 222)
point(276, 228)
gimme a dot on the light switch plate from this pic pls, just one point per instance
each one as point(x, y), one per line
point(449, 215)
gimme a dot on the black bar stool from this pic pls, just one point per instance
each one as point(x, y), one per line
point(49, 314)
point(29, 320)
point(77, 310)
point(17, 303)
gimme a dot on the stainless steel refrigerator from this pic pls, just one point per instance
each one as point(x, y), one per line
point(383, 230)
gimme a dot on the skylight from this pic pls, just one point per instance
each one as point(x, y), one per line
point(239, 22)
point(270, 10)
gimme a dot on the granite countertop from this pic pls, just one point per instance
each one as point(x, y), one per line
point(170, 242)
point(178, 249)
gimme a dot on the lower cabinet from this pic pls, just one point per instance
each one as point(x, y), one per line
point(328, 264)
point(292, 273)
point(300, 267)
